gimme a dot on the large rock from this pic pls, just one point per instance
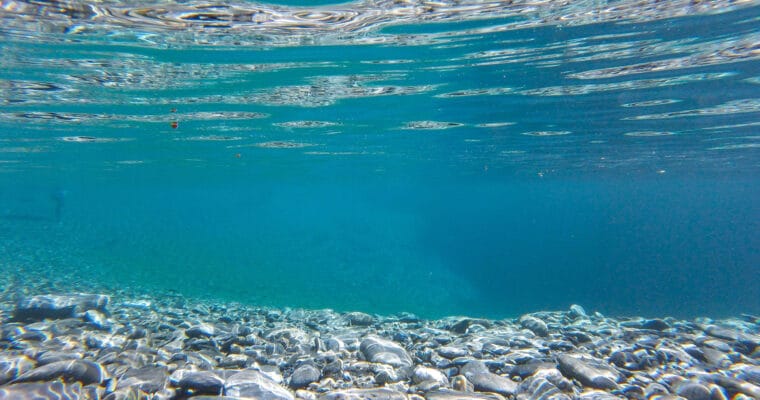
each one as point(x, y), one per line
point(37, 308)
point(250, 383)
point(364, 394)
point(593, 373)
point(485, 381)
point(83, 371)
point(384, 351)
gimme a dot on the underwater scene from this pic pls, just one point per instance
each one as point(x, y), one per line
point(380, 199)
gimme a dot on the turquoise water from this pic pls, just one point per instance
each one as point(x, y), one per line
point(480, 158)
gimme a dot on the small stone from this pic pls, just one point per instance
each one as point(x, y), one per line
point(83, 371)
point(50, 357)
point(535, 325)
point(97, 320)
point(305, 395)
point(464, 325)
point(461, 384)
point(384, 351)
point(655, 325)
point(359, 319)
point(10, 368)
point(38, 308)
point(249, 383)
point(457, 395)
point(385, 374)
point(43, 390)
point(422, 374)
point(722, 333)
point(149, 379)
point(201, 382)
point(200, 331)
point(693, 391)
point(484, 381)
point(304, 375)
point(576, 312)
point(590, 373)
point(364, 394)
point(451, 352)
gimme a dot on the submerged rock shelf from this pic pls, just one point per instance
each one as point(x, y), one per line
point(90, 346)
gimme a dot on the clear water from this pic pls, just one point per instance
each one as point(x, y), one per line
point(440, 157)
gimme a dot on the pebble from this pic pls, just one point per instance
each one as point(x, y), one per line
point(535, 325)
point(304, 375)
point(484, 381)
point(249, 383)
point(37, 308)
point(359, 319)
point(83, 371)
point(384, 351)
point(590, 373)
point(200, 382)
point(72, 347)
point(364, 394)
point(422, 374)
point(200, 331)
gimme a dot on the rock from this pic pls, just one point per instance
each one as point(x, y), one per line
point(38, 308)
point(576, 312)
point(304, 375)
point(535, 325)
point(464, 324)
point(149, 379)
point(456, 395)
point(590, 373)
point(83, 371)
point(200, 382)
point(722, 333)
point(359, 319)
point(385, 374)
point(693, 391)
point(97, 320)
point(460, 384)
point(655, 325)
point(597, 395)
point(733, 385)
point(422, 374)
point(50, 357)
point(529, 368)
point(451, 352)
point(364, 394)
point(11, 368)
point(42, 391)
point(539, 388)
point(484, 381)
point(200, 331)
point(250, 383)
point(384, 351)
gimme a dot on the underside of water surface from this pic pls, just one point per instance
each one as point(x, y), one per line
point(484, 158)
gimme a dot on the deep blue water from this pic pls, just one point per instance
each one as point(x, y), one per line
point(485, 159)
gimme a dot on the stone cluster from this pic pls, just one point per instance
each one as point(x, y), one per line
point(86, 346)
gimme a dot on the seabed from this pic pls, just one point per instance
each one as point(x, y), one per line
point(120, 346)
